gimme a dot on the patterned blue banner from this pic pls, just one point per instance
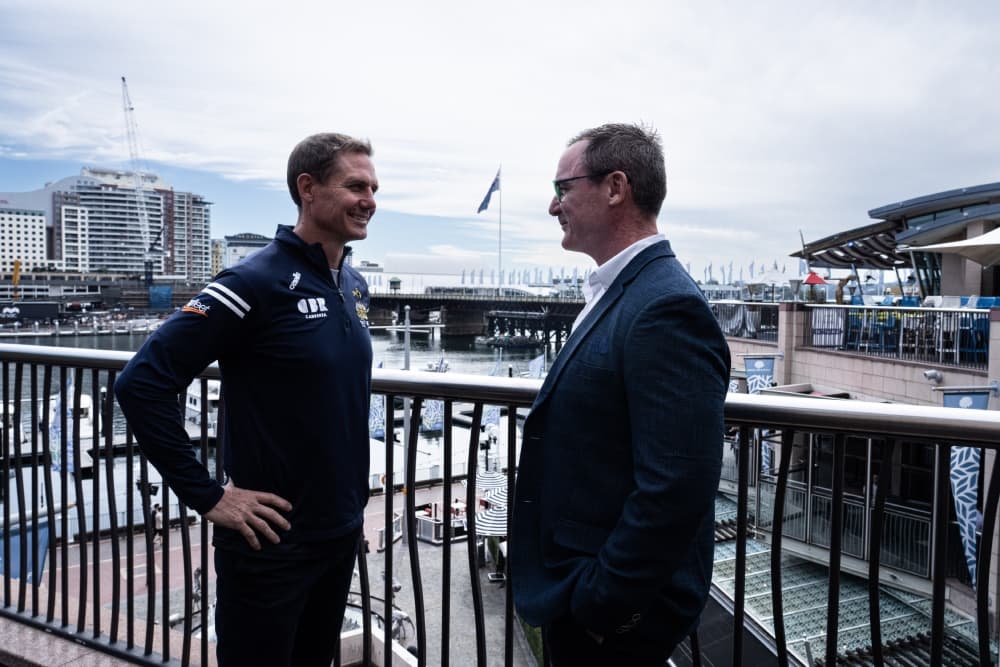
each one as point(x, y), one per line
point(376, 417)
point(965, 466)
point(432, 416)
point(760, 375)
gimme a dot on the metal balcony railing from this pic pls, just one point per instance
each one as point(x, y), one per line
point(91, 571)
point(953, 336)
point(747, 319)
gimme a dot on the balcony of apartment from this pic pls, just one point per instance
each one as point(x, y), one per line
point(835, 541)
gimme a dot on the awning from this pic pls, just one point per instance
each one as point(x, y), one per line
point(984, 249)
point(869, 247)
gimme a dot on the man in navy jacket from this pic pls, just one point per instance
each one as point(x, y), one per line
point(289, 328)
point(612, 540)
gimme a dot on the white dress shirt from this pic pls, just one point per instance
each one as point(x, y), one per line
point(598, 281)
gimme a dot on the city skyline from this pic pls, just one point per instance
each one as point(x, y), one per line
point(776, 119)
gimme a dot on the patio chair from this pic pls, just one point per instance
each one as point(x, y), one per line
point(853, 325)
point(951, 302)
point(932, 301)
point(887, 331)
point(974, 336)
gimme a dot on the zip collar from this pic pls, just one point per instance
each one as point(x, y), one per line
point(312, 253)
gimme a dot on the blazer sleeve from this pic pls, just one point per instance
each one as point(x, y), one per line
point(676, 368)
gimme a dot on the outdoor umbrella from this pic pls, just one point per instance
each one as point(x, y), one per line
point(496, 497)
point(814, 279)
point(491, 522)
point(984, 249)
point(490, 479)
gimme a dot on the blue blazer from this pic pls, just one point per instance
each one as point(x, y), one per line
point(620, 461)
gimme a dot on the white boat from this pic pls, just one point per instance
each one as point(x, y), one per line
point(439, 366)
point(193, 407)
point(84, 415)
point(98, 519)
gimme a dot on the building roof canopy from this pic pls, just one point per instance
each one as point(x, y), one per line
point(870, 247)
point(940, 201)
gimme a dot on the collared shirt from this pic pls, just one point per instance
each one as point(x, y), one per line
point(598, 281)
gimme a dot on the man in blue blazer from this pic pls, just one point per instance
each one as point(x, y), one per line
point(612, 540)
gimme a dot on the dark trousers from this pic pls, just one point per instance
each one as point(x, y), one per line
point(282, 611)
point(567, 644)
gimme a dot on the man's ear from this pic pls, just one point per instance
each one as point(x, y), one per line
point(618, 188)
point(305, 183)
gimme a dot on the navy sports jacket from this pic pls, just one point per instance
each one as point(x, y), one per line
point(295, 355)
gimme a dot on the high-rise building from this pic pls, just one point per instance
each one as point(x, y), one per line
point(22, 237)
point(218, 253)
point(93, 223)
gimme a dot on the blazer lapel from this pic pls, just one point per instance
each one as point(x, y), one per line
point(608, 299)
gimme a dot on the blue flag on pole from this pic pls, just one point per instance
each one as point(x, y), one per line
point(493, 188)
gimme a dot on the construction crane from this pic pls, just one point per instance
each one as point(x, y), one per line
point(149, 247)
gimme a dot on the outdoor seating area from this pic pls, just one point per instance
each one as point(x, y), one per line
point(949, 330)
point(951, 333)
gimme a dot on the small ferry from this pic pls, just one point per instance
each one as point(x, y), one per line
point(193, 407)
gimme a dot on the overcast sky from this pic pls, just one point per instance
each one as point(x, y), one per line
point(776, 117)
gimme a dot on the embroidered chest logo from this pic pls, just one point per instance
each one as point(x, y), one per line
point(359, 307)
point(295, 280)
point(197, 307)
point(312, 308)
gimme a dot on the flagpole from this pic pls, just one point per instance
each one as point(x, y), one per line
point(500, 232)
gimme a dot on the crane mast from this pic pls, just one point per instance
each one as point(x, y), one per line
point(131, 130)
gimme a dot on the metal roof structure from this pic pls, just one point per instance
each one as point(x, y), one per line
point(870, 247)
point(885, 244)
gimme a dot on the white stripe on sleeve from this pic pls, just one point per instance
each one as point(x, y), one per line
point(218, 296)
point(230, 293)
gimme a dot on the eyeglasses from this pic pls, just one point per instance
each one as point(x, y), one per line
point(558, 184)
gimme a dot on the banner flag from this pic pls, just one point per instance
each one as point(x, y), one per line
point(432, 416)
point(376, 414)
point(759, 372)
point(965, 466)
point(491, 413)
point(376, 417)
point(760, 375)
point(493, 188)
point(56, 444)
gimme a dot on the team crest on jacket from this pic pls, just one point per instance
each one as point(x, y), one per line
point(359, 307)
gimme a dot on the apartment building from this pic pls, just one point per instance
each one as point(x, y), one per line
point(22, 238)
point(93, 222)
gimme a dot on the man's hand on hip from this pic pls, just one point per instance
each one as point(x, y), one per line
point(250, 512)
